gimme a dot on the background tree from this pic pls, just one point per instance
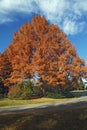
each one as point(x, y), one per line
point(5, 68)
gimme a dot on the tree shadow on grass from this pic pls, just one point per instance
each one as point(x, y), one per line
point(50, 119)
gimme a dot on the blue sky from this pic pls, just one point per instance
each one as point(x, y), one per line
point(69, 15)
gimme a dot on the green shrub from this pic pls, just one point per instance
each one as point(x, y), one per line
point(21, 91)
point(68, 94)
point(1, 96)
point(3, 90)
point(76, 94)
point(54, 95)
point(37, 90)
point(27, 90)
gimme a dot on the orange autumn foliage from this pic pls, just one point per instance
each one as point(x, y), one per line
point(5, 68)
point(40, 47)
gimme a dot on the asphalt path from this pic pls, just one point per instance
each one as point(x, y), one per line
point(67, 104)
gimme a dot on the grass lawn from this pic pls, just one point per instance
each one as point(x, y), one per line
point(70, 119)
point(7, 102)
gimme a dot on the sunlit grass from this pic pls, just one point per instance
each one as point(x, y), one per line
point(7, 102)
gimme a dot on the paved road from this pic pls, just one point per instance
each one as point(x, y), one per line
point(67, 104)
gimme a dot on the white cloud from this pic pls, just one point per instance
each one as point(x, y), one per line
point(80, 7)
point(53, 8)
point(16, 5)
point(73, 27)
point(67, 14)
point(69, 27)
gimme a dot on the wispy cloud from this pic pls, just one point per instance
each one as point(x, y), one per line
point(67, 14)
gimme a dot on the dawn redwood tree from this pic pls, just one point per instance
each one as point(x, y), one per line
point(40, 47)
point(5, 69)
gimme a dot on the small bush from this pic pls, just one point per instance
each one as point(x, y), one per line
point(21, 91)
point(3, 91)
point(54, 95)
point(27, 90)
point(76, 94)
point(68, 94)
point(15, 92)
point(1, 96)
point(37, 90)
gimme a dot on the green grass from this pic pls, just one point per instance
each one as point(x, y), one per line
point(71, 119)
point(7, 102)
